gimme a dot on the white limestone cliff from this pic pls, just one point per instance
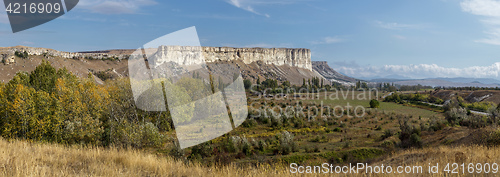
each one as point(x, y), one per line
point(187, 55)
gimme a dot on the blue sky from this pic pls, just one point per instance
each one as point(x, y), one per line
point(416, 39)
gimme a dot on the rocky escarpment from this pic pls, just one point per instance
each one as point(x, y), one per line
point(299, 57)
point(281, 64)
point(322, 68)
point(187, 55)
point(50, 53)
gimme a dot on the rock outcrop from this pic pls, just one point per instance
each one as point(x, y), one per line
point(7, 58)
point(322, 68)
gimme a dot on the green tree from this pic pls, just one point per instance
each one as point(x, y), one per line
point(286, 84)
point(43, 77)
point(364, 85)
point(247, 83)
point(212, 86)
point(270, 83)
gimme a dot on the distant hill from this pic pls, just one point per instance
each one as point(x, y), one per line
point(443, 83)
point(440, 81)
point(393, 77)
point(386, 80)
point(471, 80)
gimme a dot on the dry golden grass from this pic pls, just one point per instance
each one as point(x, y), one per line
point(19, 158)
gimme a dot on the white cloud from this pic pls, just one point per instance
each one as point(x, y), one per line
point(399, 37)
point(249, 5)
point(490, 10)
point(28, 43)
point(83, 18)
point(246, 5)
point(494, 37)
point(328, 40)
point(491, 21)
point(420, 71)
point(114, 6)
point(398, 26)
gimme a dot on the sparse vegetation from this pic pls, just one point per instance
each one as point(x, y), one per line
point(23, 54)
point(410, 134)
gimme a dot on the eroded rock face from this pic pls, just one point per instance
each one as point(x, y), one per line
point(7, 59)
point(186, 55)
point(300, 58)
point(327, 72)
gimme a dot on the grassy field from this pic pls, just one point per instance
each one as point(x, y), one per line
point(360, 98)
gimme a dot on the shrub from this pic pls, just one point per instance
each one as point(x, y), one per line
point(316, 149)
point(276, 122)
point(415, 140)
point(387, 133)
point(249, 123)
point(455, 115)
point(247, 148)
point(247, 83)
point(241, 144)
point(263, 119)
point(228, 145)
point(177, 152)
point(374, 104)
point(201, 151)
point(262, 146)
point(286, 143)
point(387, 144)
point(151, 137)
point(21, 54)
point(409, 135)
point(316, 139)
point(494, 138)
point(136, 135)
point(435, 124)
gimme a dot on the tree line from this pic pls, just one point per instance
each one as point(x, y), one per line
point(53, 105)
